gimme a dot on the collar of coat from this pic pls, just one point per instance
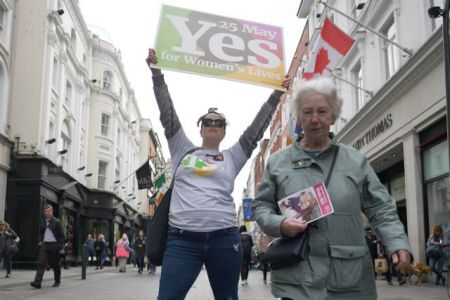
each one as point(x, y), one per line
point(300, 159)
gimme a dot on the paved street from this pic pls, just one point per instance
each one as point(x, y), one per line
point(110, 284)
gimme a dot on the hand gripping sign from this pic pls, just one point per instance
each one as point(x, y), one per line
point(211, 45)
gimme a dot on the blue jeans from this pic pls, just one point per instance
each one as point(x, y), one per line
point(186, 252)
point(436, 265)
point(7, 262)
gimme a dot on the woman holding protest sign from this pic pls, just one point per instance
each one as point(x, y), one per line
point(339, 265)
point(202, 229)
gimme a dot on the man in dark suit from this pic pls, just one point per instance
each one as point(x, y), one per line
point(51, 241)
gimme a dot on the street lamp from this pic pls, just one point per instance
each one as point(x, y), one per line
point(435, 12)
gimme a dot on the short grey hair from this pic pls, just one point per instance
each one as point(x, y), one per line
point(322, 86)
point(48, 206)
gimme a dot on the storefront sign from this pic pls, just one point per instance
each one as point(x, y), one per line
point(221, 47)
point(373, 132)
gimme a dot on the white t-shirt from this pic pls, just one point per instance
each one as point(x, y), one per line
point(204, 180)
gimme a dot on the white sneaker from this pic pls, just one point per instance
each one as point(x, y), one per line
point(244, 282)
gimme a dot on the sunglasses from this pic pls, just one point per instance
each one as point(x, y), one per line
point(220, 123)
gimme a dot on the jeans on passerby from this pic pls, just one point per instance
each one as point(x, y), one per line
point(140, 263)
point(187, 251)
point(436, 265)
point(7, 262)
point(392, 271)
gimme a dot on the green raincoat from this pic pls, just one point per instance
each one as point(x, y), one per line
point(339, 265)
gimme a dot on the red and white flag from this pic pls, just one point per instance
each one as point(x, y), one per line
point(330, 47)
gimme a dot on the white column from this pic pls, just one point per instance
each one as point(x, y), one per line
point(414, 195)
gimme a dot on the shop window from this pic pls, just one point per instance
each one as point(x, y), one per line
point(438, 196)
point(435, 161)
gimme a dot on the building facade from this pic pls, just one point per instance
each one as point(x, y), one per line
point(6, 31)
point(394, 103)
point(75, 127)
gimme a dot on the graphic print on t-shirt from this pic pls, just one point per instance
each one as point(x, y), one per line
point(201, 167)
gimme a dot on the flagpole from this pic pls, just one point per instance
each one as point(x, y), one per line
point(406, 50)
point(353, 85)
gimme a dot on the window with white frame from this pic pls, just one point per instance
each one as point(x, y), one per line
point(107, 80)
point(106, 119)
point(390, 52)
point(102, 171)
point(73, 39)
point(55, 73)
point(436, 22)
point(68, 97)
point(51, 135)
point(358, 93)
point(119, 133)
point(117, 175)
point(65, 144)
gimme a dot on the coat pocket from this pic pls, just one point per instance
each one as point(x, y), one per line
point(346, 267)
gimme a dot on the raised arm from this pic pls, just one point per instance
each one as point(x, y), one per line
point(168, 116)
point(255, 131)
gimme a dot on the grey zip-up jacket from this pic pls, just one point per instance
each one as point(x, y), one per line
point(339, 265)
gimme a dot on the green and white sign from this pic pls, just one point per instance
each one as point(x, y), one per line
point(222, 47)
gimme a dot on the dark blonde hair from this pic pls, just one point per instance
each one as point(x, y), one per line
point(437, 230)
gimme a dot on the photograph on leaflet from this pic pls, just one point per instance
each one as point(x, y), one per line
point(308, 204)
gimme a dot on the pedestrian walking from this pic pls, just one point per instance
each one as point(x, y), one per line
point(8, 246)
point(339, 264)
point(263, 241)
point(139, 251)
point(381, 249)
point(202, 230)
point(436, 256)
point(90, 248)
point(247, 244)
point(100, 251)
point(123, 252)
point(51, 240)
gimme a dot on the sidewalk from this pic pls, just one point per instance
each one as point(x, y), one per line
point(24, 277)
point(111, 283)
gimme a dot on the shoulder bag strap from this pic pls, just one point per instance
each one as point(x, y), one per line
point(332, 166)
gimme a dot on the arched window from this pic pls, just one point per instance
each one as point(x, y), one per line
point(107, 80)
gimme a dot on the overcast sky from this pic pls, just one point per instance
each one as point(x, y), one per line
point(132, 26)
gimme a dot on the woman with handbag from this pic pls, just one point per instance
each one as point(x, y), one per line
point(8, 246)
point(123, 252)
point(339, 265)
point(202, 228)
point(436, 257)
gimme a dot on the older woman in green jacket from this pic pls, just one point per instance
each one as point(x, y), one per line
point(339, 265)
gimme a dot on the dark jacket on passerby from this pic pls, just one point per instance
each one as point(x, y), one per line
point(55, 226)
point(139, 247)
point(6, 241)
point(99, 247)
